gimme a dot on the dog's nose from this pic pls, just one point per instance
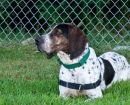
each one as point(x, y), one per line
point(39, 40)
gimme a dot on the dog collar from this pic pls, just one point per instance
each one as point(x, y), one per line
point(75, 65)
point(80, 86)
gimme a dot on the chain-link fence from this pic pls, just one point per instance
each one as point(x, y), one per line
point(104, 21)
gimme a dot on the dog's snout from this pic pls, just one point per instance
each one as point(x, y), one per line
point(39, 40)
point(36, 41)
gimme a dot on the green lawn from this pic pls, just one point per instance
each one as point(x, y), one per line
point(28, 78)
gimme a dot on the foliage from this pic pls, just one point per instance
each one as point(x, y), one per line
point(51, 12)
point(94, 17)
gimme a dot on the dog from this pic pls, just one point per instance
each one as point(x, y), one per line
point(81, 71)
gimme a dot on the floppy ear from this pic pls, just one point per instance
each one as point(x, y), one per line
point(77, 42)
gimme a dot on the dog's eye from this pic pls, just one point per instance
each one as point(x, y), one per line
point(56, 33)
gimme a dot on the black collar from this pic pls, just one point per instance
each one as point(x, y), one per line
point(80, 86)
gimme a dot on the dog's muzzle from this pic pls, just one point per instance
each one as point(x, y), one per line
point(39, 41)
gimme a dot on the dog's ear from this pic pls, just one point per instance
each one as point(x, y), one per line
point(77, 42)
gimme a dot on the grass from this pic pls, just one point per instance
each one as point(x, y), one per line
point(28, 78)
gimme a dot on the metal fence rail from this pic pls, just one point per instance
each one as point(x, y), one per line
point(103, 21)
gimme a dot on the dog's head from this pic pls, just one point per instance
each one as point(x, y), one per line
point(63, 37)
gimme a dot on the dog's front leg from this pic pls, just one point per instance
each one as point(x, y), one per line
point(64, 92)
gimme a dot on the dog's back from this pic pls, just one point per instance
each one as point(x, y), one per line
point(119, 64)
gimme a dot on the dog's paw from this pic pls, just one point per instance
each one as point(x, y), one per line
point(64, 97)
point(88, 100)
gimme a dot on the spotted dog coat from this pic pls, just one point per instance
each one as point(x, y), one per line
point(70, 44)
